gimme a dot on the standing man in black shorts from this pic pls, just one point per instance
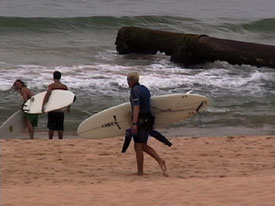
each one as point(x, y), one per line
point(141, 109)
point(55, 118)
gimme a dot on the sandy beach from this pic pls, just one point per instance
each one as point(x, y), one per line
point(232, 170)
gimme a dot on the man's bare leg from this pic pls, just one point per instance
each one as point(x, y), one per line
point(51, 133)
point(30, 128)
point(60, 134)
point(139, 157)
point(149, 150)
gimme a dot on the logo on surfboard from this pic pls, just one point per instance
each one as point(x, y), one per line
point(109, 124)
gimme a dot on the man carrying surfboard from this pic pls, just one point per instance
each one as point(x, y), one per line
point(26, 93)
point(141, 112)
point(55, 118)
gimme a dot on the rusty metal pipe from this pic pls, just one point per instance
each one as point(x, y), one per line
point(190, 49)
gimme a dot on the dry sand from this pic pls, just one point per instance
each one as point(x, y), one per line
point(78, 172)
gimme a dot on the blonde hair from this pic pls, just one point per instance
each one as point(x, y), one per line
point(134, 76)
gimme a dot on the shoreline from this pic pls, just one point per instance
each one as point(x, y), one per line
point(172, 132)
point(231, 170)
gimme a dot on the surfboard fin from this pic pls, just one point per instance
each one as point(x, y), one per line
point(198, 109)
point(199, 114)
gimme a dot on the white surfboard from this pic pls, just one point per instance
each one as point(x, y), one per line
point(58, 100)
point(13, 126)
point(167, 109)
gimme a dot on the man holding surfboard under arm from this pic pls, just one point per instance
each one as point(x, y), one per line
point(141, 110)
point(26, 93)
point(55, 118)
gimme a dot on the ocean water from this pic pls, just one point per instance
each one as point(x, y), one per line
point(78, 39)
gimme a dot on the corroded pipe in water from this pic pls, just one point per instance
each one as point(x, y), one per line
point(190, 49)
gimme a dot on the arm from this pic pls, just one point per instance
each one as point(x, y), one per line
point(25, 96)
point(135, 114)
point(69, 107)
point(46, 98)
point(136, 109)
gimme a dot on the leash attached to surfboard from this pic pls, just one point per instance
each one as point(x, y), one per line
point(199, 114)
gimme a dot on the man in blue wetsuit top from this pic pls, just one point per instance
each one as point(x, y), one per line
point(142, 122)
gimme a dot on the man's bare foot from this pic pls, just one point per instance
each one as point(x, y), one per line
point(163, 168)
point(139, 173)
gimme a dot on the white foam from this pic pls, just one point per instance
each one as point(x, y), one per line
point(163, 75)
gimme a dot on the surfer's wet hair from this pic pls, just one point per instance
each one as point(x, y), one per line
point(22, 83)
point(133, 76)
point(57, 75)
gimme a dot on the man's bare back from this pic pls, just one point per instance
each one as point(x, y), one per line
point(26, 93)
point(57, 85)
